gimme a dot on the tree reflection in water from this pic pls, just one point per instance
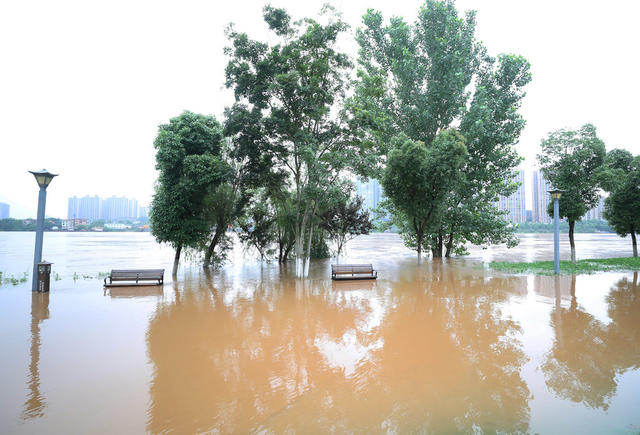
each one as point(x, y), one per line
point(587, 354)
point(430, 351)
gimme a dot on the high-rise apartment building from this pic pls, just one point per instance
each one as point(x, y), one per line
point(541, 198)
point(115, 208)
point(93, 208)
point(370, 192)
point(87, 207)
point(4, 210)
point(515, 204)
point(596, 212)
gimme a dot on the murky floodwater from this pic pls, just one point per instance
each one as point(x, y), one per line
point(437, 347)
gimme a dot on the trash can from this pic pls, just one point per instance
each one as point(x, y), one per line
point(44, 276)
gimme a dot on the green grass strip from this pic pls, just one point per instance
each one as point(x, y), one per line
point(569, 268)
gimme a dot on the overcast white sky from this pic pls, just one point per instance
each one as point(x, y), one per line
point(84, 84)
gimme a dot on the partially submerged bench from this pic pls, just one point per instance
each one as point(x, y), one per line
point(353, 271)
point(135, 277)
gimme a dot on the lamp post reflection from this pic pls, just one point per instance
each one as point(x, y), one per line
point(35, 404)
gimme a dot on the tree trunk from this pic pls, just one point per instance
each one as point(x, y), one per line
point(419, 237)
point(213, 244)
point(437, 248)
point(287, 251)
point(340, 243)
point(176, 260)
point(449, 245)
point(572, 242)
point(634, 242)
point(308, 254)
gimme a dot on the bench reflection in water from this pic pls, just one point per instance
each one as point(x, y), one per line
point(344, 285)
point(133, 291)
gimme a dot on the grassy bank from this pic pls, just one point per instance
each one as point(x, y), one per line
point(566, 267)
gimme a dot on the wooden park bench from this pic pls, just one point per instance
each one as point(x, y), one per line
point(353, 271)
point(135, 277)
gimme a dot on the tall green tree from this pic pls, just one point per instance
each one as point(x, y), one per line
point(413, 180)
point(287, 116)
point(570, 160)
point(189, 165)
point(620, 176)
point(344, 219)
point(416, 79)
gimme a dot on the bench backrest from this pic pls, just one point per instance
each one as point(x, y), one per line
point(137, 273)
point(351, 268)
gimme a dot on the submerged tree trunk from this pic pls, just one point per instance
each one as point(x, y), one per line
point(308, 253)
point(287, 251)
point(449, 244)
point(572, 242)
point(437, 246)
point(213, 244)
point(634, 242)
point(176, 260)
point(419, 236)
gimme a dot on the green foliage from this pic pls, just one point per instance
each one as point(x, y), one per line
point(287, 121)
point(11, 224)
point(568, 267)
point(570, 161)
point(415, 79)
point(319, 247)
point(189, 165)
point(344, 219)
point(13, 280)
point(413, 180)
point(620, 175)
point(257, 228)
point(223, 206)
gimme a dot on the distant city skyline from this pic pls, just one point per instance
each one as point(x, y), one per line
point(517, 209)
point(111, 208)
point(371, 193)
point(516, 203)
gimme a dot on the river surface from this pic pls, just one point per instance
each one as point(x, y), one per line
point(434, 347)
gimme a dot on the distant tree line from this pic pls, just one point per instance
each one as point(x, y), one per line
point(55, 224)
point(590, 226)
point(11, 224)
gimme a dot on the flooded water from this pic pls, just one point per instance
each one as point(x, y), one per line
point(441, 346)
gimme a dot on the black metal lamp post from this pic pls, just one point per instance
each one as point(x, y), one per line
point(43, 178)
point(556, 194)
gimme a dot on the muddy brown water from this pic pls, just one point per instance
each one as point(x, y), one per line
point(435, 347)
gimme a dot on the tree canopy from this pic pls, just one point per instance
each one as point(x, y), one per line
point(434, 75)
point(620, 176)
point(570, 160)
point(188, 161)
point(414, 175)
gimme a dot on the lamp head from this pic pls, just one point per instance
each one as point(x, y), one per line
point(43, 177)
point(556, 193)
